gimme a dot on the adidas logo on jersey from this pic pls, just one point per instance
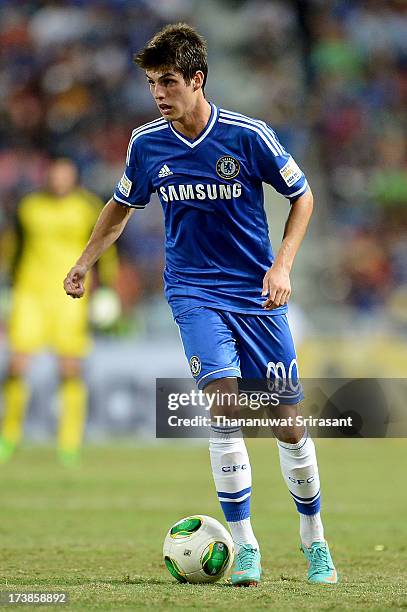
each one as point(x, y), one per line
point(165, 171)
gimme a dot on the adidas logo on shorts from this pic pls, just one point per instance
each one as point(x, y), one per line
point(165, 171)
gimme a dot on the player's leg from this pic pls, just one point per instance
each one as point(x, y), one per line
point(15, 400)
point(69, 338)
point(300, 471)
point(73, 402)
point(210, 348)
point(233, 480)
point(299, 468)
point(267, 350)
point(26, 336)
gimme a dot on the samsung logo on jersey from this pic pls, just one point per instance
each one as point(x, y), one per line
point(200, 192)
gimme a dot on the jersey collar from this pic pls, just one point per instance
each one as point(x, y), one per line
point(204, 134)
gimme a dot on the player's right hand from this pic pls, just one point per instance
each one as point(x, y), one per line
point(74, 283)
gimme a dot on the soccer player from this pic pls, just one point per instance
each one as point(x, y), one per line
point(52, 227)
point(227, 291)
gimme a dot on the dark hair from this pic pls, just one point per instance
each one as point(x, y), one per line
point(177, 46)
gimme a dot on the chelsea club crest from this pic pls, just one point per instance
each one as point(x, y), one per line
point(227, 167)
point(195, 365)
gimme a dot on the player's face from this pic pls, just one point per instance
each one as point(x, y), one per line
point(62, 177)
point(173, 96)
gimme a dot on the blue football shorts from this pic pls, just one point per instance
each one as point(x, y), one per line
point(258, 349)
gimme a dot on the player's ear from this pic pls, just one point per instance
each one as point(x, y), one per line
point(197, 80)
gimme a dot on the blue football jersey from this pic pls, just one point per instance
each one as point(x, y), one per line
point(211, 190)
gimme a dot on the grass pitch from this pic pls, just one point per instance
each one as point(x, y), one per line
point(97, 531)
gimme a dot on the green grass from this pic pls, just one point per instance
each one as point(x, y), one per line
point(97, 531)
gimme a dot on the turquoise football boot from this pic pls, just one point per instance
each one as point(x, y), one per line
point(320, 565)
point(247, 569)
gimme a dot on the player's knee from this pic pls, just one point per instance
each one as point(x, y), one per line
point(18, 364)
point(69, 367)
point(289, 438)
point(227, 410)
point(288, 430)
point(288, 434)
point(223, 397)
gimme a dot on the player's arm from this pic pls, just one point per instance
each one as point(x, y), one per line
point(109, 225)
point(12, 241)
point(276, 282)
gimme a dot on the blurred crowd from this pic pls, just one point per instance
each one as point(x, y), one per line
point(329, 76)
point(357, 74)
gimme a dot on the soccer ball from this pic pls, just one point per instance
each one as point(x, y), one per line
point(198, 549)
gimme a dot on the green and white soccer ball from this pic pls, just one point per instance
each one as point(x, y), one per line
point(198, 549)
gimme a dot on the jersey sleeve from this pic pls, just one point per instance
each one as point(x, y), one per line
point(134, 188)
point(275, 166)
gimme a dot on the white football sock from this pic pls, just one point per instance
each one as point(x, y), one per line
point(242, 533)
point(232, 475)
point(300, 471)
point(311, 529)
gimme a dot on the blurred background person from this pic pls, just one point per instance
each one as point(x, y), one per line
point(51, 227)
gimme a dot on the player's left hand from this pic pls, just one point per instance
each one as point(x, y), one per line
point(276, 284)
point(74, 282)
